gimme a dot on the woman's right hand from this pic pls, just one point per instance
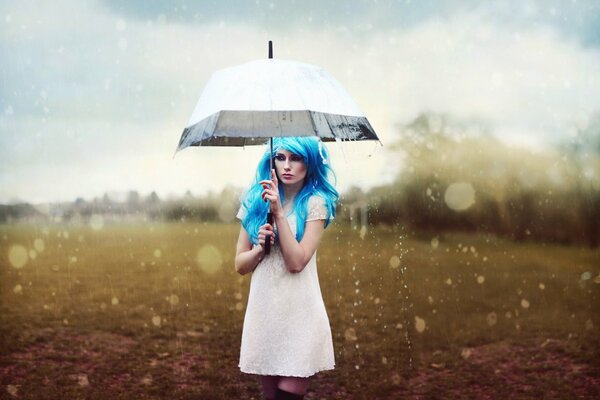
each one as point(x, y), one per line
point(263, 231)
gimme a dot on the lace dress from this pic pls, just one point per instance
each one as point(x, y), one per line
point(286, 329)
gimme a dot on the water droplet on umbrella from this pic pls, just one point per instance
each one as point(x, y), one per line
point(524, 303)
point(156, 320)
point(480, 279)
point(18, 289)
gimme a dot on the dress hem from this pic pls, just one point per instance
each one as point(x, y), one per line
point(281, 373)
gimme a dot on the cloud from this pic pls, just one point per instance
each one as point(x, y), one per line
point(101, 99)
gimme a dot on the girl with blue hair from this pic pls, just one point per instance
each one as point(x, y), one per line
point(286, 336)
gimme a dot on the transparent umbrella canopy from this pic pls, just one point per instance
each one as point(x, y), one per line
point(250, 103)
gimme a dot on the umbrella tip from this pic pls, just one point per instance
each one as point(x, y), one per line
point(270, 49)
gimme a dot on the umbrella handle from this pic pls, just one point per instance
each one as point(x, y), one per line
point(268, 237)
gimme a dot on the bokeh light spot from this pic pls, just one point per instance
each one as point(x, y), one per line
point(38, 245)
point(209, 259)
point(17, 255)
point(459, 196)
point(96, 222)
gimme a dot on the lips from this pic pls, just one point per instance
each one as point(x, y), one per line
point(287, 176)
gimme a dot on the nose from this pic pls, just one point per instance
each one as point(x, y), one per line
point(287, 166)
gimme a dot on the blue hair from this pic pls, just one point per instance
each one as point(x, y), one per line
point(318, 181)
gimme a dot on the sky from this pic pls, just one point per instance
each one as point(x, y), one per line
point(94, 95)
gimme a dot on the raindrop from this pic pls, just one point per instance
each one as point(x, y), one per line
point(586, 276)
point(384, 360)
point(435, 243)
point(597, 279)
point(542, 286)
point(466, 353)
point(157, 253)
point(239, 306)
point(480, 279)
point(448, 281)
point(17, 255)
point(156, 320)
point(114, 301)
point(419, 324)
point(524, 303)
point(82, 380)
point(589, 325)
point(363, 232)
point(18, 289)
point(147, 379)
point(350, 335)
point(32, 254)
point(12, 390)
point(492, 318)
point(174, 299)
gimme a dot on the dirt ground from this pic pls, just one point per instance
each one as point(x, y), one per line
point(101, 364)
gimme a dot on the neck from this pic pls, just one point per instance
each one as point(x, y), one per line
point(290, 191)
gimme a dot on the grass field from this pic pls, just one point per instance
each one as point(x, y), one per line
point(153, 311)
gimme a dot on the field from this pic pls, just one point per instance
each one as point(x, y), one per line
point(151, 311)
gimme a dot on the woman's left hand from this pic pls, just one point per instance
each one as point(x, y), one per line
point(271, 193)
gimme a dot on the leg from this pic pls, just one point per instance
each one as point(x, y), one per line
point(269, 384)
point(294, 384)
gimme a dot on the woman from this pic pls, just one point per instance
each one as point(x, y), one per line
point(286, 336)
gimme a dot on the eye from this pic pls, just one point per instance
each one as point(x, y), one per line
point(279, 157)
point(296, 158)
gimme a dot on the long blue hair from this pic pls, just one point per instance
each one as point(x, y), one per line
point(319, 180)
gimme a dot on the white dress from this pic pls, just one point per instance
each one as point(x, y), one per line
point(286, 329)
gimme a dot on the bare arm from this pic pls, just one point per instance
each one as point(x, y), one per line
point(247, 257)
point(297, 255)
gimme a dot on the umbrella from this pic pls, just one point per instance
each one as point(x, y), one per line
point(249, 104)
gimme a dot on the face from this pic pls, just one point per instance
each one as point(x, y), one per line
point(290, 168)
